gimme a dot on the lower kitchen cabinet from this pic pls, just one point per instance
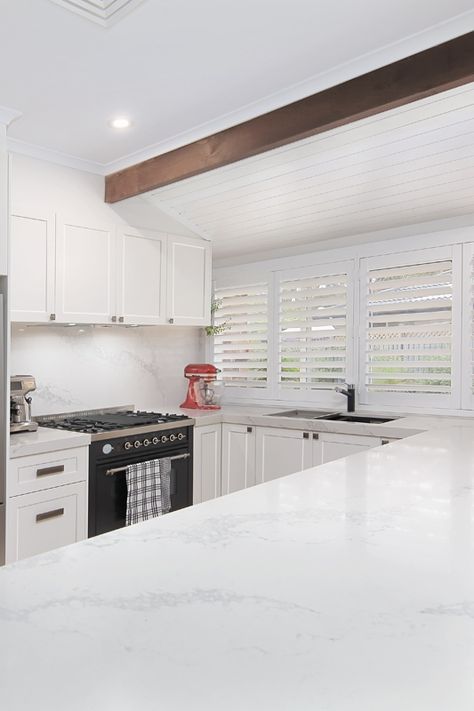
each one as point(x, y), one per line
point(326, 446)
point(44, 520)
point(281, 452)
point(207, 463)
point(238, 457)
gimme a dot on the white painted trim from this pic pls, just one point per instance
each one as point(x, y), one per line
point(177, 216)
point(467, 396)
point(14, 145)
point(7, 115)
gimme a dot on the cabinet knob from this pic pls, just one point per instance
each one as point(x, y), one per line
point(52, 317)
point(306, 435)
point(385, 441)
point(114, 319)
point(171, 320)
point(249, 429)
point(315, 435)
point(121, 319)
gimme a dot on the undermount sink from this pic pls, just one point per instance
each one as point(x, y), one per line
point(333, 416)
point(304, 414)
point(341, 417)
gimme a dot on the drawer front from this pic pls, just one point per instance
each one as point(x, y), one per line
point(45, 471)
point(41, 522)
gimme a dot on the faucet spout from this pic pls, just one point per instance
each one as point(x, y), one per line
point(349, 392)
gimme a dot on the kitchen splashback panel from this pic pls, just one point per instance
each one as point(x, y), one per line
point(91, 367)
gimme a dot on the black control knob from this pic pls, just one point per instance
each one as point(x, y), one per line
point(128, 445)
point(164, 438)
point(155, 440)
point(172, 438)
point(137, 444)
point(181, 436)
point(146, 442)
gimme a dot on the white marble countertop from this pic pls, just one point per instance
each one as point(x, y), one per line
point(45, 440)
point(401, 426)
point(347, 587)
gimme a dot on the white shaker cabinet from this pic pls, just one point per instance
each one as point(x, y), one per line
point(328, 446)
point(41, 521)
point(189, 281)
point(281, 452)
point(141, 277)
point(207, 462)
point(238, 457)
point(32, 256)
point(85, 272)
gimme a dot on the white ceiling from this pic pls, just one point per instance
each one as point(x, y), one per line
point(408, 165)
point(182, 69)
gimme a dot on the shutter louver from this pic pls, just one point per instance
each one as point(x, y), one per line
point(241, 351)
point(409, 329)
point(312, 332)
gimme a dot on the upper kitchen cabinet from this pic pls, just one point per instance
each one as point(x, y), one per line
point(32, 266)
point(189, 281)
point(141, 278)
point(85, 272)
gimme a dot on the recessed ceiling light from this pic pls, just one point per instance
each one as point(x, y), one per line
point(121, 122)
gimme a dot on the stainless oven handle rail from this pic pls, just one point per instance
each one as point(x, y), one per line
point(111, 472)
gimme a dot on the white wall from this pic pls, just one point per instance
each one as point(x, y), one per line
point(91, 367)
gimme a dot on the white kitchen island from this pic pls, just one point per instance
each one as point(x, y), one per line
point(347, 587)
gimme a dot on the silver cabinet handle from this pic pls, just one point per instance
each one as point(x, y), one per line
point(121, 319)
point(171, 320)
point(315, 435)
point(249, 429)
point(385, 441)
point(306, 435)
point(52, 317)
point(114, 319)
point(46, 471)
point(49, 514)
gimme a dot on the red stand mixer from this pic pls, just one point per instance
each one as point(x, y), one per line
point(202, 389)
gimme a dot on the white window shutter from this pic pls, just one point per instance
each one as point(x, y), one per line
point(312, 332)
point(241, 350)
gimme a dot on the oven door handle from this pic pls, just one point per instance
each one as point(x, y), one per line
point(111, 472)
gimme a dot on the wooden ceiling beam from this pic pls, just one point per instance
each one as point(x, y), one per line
point(432, 71)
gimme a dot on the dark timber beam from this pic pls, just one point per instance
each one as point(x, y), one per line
point(429, 72)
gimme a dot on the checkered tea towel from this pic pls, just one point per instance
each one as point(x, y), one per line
point(148, 490)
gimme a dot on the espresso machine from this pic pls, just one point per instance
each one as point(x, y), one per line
point(20, 403)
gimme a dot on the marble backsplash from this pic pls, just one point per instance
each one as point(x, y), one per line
point(91, 366)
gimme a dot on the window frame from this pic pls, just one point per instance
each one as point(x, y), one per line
point(409, 258)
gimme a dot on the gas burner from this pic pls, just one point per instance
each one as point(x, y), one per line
point(103, 422)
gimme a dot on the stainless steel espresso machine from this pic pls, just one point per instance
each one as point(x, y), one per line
point(20, 403)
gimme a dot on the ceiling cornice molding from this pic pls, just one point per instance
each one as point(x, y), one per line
point(103, 12)
point(8, 115)
point(14, 145)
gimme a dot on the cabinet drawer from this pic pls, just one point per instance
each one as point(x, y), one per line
point(45, 520)
point(45, 471)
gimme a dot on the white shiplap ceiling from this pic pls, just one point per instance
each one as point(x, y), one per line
point(405, 166)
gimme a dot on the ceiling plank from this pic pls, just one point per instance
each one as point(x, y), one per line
point(429, 72)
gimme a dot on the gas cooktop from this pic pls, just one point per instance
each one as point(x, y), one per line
point(111, 422)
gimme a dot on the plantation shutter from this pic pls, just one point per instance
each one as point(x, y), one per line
point(409, 328)
point(312, 332)
point(241, 349)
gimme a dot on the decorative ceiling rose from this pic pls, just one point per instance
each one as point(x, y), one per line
point(103, 12)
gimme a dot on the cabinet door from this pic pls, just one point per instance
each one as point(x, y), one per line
point(31, 266)
point(189, 281)
point(45, 520)
point(281, 452)
point(85, 272)
point(336, 446)
point(207, 463)
point(141, 278)
point(238, 457)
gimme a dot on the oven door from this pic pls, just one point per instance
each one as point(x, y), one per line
point(108, 504)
